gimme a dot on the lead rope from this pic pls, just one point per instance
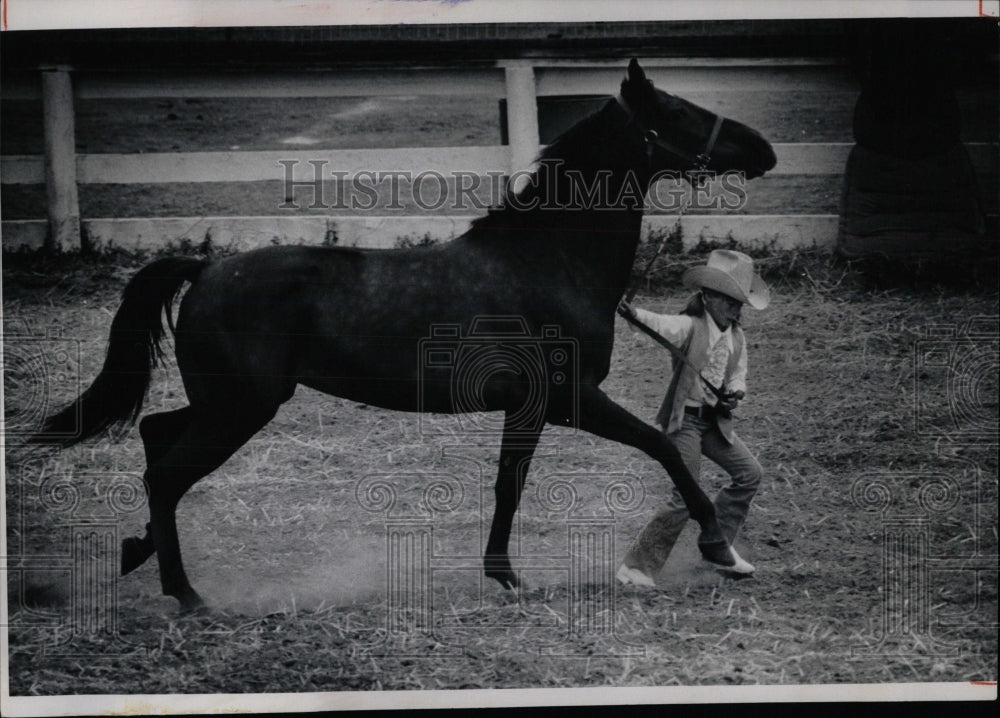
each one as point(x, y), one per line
point(625, 309)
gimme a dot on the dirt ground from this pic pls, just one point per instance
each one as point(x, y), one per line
point(863, 436)
point(872, 406)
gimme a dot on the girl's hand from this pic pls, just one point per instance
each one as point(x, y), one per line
point(731, 400)
point(626, 309)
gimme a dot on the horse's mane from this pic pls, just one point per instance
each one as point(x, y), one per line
point(584, 147)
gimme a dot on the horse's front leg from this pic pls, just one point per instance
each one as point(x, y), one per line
point(516, 450)
point(603, 417)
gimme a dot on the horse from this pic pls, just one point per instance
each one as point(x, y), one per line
point(539, 276)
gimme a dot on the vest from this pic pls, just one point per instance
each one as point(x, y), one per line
point(671, 413)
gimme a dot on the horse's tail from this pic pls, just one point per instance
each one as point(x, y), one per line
point(116, 395)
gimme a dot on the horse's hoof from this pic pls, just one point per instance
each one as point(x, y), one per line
point(497, 566)
point(192, 604)
point(192, 610)
point(135, 551)
point(506, 578)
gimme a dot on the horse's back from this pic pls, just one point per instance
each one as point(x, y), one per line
point(344, 321)
point(357, 323)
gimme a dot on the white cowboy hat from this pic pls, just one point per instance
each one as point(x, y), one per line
point(730, 273)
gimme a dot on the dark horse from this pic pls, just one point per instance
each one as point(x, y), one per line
point(549, 266)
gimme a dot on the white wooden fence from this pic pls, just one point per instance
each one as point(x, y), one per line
point(520, 81)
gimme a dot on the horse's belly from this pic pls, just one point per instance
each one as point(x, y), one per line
point(444, 375)
point(397, 394)
point(385, 374)
point(388, 393)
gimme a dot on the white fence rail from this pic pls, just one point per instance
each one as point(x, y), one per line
point(803, 158)
point(520, 82)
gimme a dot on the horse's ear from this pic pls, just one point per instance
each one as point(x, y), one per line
point(635, 73)
point(635, 82)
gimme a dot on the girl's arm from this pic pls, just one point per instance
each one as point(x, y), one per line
point(675, 328)
point(738, 380)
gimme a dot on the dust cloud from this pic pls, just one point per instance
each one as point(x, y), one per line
point(355, 577)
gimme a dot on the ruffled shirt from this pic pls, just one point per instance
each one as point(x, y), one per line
point(676, 328)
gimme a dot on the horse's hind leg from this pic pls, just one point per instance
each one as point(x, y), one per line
point(516, 450)
point(159, 432)
point(208, 439)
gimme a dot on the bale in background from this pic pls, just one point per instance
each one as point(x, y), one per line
point(910, 190)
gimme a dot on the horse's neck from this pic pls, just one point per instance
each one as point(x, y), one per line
point(609, 239)
point(606, 235)
point(592, 246)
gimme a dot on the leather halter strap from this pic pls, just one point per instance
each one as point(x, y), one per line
point(653, 139)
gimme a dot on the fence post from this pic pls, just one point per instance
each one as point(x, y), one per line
point(60, 160)
point(522, 114)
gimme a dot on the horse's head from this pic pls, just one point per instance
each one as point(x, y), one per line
point(682, 136)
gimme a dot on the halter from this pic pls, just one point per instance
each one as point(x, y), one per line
point(699, 162)
point(653, 140)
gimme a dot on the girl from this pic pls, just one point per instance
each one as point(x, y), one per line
point(695, 420)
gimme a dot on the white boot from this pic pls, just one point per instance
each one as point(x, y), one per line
point(627, 575)
point(741, 568)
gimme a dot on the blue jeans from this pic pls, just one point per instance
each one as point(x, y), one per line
point(696, 437)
